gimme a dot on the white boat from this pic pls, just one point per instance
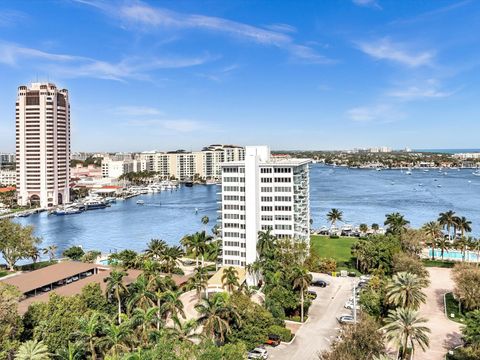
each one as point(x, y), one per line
point(408, 172)
point(476, 173)
point(93, 204)
point(140, 202)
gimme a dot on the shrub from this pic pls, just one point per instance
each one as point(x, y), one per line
point(327, 265)
point(74, 253)
point(334, 237)
point(284, 333)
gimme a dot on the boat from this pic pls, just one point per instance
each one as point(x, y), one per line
point(476, 173)
point(23, 215)
point(408, 172)
point(140, 202)
point(188, 183)
point(92, 204)
point(68, 211)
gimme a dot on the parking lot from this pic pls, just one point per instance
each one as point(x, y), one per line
point(322, 327)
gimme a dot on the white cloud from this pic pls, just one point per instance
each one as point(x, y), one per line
point(427, 89)
point(137, 111)
point(177, 125)
point(367, 3)
point(385, 49)
point(147, 17)
point(377, 113)
point(73, 66)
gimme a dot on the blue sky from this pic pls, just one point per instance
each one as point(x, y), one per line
point(295, 75)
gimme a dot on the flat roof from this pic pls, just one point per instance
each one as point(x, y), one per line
point(271, 162)
point(32, 280)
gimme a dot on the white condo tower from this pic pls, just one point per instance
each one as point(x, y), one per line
point(260, 193)
point(42, 145)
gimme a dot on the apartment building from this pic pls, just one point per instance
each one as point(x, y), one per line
point(8, 178)
point(116, 168)
point(42, 145)
point(6, 158)
point(260, 193)
point(183, 165)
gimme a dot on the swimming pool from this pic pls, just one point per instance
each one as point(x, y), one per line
point(454, 255)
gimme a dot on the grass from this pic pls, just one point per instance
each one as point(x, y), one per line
point(4, 273)
point(452, 308)
point(338, 249)
point(438, 263)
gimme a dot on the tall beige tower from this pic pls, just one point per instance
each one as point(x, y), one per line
point(42, 145)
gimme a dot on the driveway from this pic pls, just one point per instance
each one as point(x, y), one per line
point(445, 333)
point(322, 326)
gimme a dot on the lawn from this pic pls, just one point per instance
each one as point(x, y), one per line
point(438, 263)
point(452, 308)
point(4, 273)
point(338, 249)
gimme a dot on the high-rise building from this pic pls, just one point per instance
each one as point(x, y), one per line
point(261, 193)
point(42, 145)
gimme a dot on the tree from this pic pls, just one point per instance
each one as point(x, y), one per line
point(16, 242)
point(51, 250)
point(196, 244)
point(215, 315)
point(363, 228)
point(302, 280)
point(74, 253)
point(170, 258)
point(471, 331)
point(396, 223)
point(443, 244)
point(464, 226)
point(405, 290)
point(89, 328)
point(73, 351)
point(404, 329)
point(407, 263)
point(10, 323)
point(467, 285)
point(433, 231)
point(447, 220)
point(171, 304)
point(141, 294)
point(362, 341)
point(205, 221)
point(184, 330)
point(116, 288)
point(230, 279)
point(33, 350)
point(91, 256)
point(265, 244)
point(116, 337)
point(333, 216)
point(199, 281)
point(155, 249)
point(145, 319)
point(375, 227)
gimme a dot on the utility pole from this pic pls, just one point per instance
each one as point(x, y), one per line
point(354, 302)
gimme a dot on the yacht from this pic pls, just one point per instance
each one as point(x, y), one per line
point(140, 202)
point(67, 211)
point(92, 204)
point(476, 172)
point(408, 172)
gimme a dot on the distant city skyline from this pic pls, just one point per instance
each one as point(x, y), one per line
point(328, 75)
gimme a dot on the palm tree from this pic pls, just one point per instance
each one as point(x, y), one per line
point(116, 288)
point(333, 216)
point(266, 244)
point(116, 337)
point(215, 315)
point(405, 290)
point(447, 220)
point(433, 231)
point(184, 331)
point(71, 352)
point(88, 331)
point(396, 223)
point(170, 258)
point(171, 304)
point(196, 243)
point(461, 245)
point(464, 225)
point(199, 281)
point(34, 254)
point(51, 250)
point(363, 228)
point(141, 294)
point(205, 221)
point(404, 329)
point(156, 248)
point(230, 279)
point(161, 284)
point(443, 244)
point(32, 350)
point(375, 227)
point(145, 319)
point(302, 280)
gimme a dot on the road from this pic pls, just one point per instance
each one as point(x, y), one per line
point(445, 333)
point(321, 328)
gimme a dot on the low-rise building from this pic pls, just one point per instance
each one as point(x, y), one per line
point(8, 178)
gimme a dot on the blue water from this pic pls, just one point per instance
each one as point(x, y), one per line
point(362, 195)
point(454, 255)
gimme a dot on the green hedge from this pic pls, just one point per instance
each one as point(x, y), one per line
point(36, 266)
point(438, 263)
point(284, 333)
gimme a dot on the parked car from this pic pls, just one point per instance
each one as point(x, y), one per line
point(88, 273)
point(349, 305)
point(46, 289)
point(69, 280)
point(273, 340)
point(346, 319)
point(258, 353)
point(75, 278)
point(312, 294)
point(320, 283)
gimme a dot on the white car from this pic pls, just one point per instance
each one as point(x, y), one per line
point(349, 305)
point(346, 319)
point(258, 353)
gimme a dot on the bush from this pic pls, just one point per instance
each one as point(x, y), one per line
point(334, 237)
point(284, 333)
point(36, 266)
point(74, 253)
point(327, 265)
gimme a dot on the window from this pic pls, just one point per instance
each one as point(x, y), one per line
point(283, 180)
point(283, 208)
point(266, 189)
point(266, 198)
point(266, 180)
point(281, 170)
point(266, 170)
point(266, 208)
point(283, 198)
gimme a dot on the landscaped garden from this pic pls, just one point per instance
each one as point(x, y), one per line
point(339, 249)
